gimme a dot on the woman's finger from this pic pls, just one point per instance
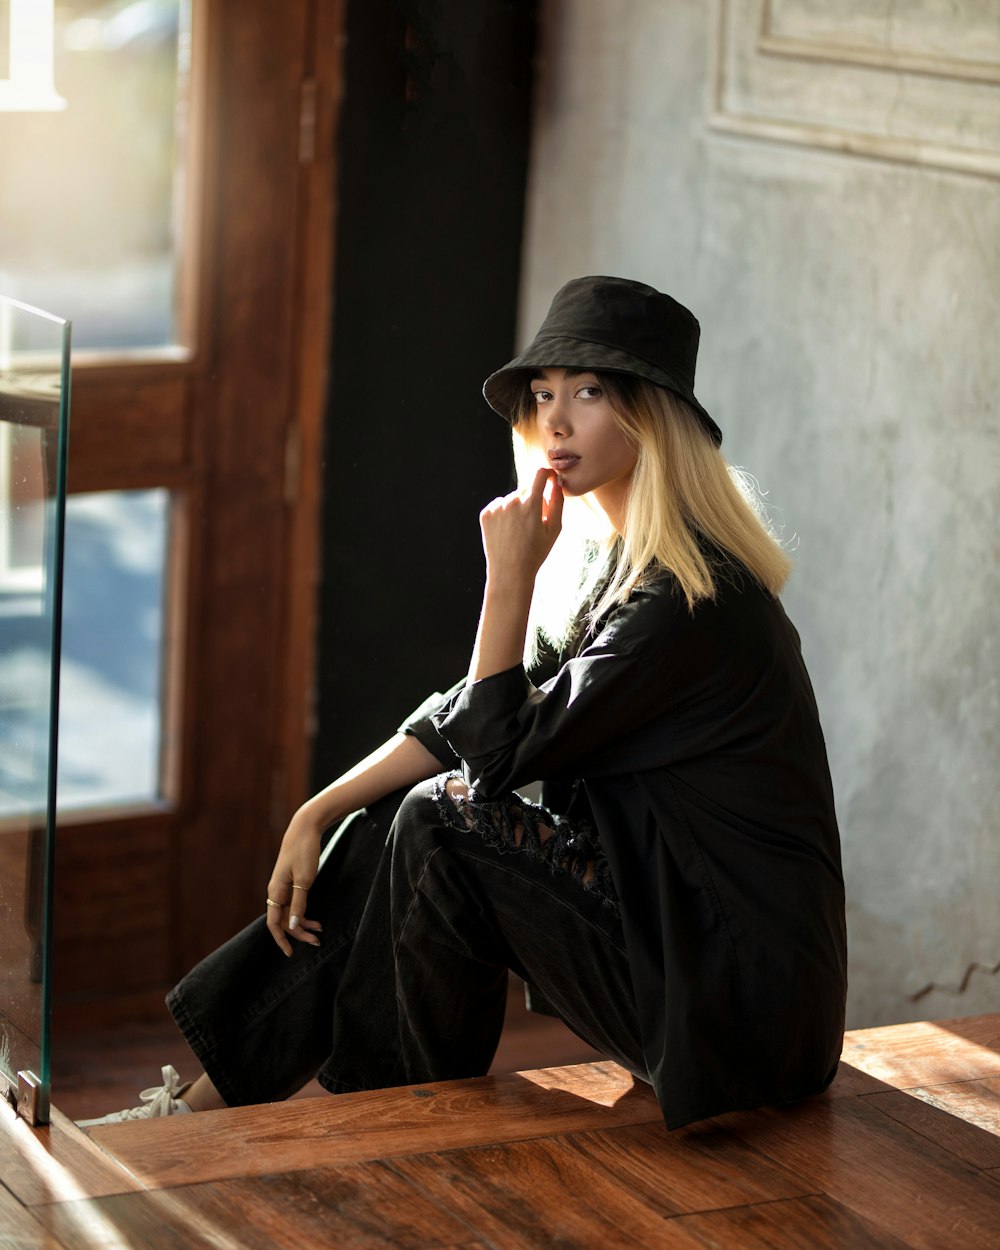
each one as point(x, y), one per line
point(297, 905)
point(300, 928)
point(553, 506)
point(542, 479)
point(277, 911)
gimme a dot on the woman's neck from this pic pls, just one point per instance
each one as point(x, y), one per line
point(613, 502)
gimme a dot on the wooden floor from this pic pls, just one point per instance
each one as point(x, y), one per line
point(902, 1151)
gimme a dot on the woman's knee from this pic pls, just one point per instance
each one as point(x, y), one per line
point(430, 804)
point(426, 829)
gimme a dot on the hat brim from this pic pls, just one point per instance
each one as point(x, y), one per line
point(504, 388)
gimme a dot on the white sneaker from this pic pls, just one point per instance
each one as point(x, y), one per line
point(162, 1099)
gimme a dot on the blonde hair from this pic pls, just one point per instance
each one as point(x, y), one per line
point(681, 492)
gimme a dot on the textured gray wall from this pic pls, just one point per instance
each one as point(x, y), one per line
point(850, 352)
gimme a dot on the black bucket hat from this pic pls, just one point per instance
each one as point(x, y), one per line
point(615, 325)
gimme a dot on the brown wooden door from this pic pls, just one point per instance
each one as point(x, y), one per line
point(231, 428)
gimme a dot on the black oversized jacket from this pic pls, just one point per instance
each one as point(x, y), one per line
point(697, 739)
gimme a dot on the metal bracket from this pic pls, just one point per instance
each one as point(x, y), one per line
point(32, 1099)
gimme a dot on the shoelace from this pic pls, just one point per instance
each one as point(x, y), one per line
point(159, 1097)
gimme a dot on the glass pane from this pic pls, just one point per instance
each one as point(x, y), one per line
point(113, 600)
point(34, 396)
point(91, 129)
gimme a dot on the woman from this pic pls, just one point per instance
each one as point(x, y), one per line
point(677, 897)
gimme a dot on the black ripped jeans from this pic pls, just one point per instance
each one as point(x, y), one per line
point(426, 901)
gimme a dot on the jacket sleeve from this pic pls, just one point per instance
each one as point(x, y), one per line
point(579, 723)
point(420, 726)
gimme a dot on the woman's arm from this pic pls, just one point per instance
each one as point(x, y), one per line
point(518, 533)
point(402, 761)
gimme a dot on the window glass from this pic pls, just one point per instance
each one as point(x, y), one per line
point(112, 668)
point(93, 97)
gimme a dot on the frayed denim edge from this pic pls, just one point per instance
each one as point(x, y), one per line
point(569, 848)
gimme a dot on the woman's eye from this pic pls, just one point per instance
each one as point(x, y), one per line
point(541, 397)
point(590, 392)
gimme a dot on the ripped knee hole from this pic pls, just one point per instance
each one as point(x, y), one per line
point(458, 792)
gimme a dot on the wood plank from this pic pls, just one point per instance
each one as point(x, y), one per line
point(850, 1082)
point(364, 1206)
point(963, 1117)
point(927, 1053)
point(55, 1163)
point(251, 1141)
point(812, 1223)
point(129, 430)
point(540, 1193)
point(613, 1187)
point(19, 1230)
point(694, 1169)
point(883, 1172)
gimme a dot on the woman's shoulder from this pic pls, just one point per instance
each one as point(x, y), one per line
point(733, 582)
point(659, 606)
point(657, 611)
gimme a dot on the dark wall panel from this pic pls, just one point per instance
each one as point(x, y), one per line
point(433, 158)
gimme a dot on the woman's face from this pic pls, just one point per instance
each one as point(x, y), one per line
point(576, 429)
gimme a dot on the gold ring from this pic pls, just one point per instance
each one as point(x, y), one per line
point(272, 903)
point(300, 887)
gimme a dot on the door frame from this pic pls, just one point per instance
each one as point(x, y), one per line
point(234, 429)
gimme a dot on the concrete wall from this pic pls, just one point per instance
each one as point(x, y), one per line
point(823, 192)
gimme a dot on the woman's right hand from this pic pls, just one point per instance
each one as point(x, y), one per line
point(402, 761)
point(519, 529)
point(288, 890)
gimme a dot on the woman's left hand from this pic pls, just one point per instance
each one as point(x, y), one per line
point(288, 890)
point(519, 529)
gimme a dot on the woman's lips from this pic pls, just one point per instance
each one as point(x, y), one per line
point(562, 461)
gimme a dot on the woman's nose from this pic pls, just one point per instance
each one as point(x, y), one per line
point(556, 418)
